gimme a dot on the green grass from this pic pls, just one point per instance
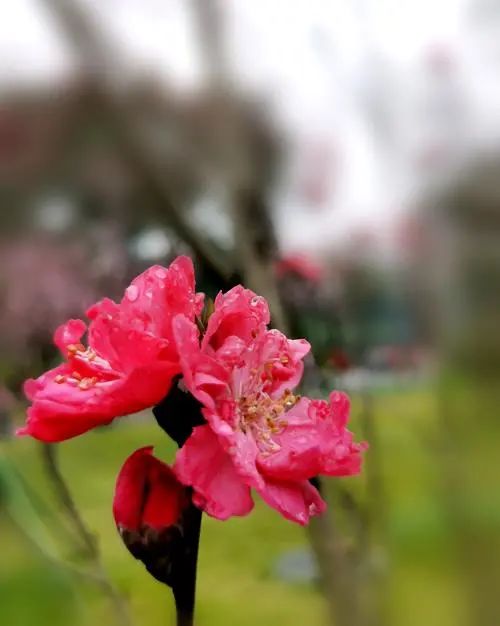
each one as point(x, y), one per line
point(236, 582)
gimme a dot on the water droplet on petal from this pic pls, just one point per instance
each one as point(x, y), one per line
point(161, 273)
point(341, 450)
point(313, 509)
point(132, 293)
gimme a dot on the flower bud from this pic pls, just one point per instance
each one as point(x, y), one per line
point(148, 509)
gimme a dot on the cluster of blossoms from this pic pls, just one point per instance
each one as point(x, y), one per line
point(255, 433)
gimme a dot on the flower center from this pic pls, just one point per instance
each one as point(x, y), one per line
point(78, 349)
point(76, 379)
point(90, 365)
point(264, 417)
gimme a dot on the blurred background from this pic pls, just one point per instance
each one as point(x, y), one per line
point(340, 157)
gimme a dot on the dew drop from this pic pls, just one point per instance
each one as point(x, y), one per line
point(341, 450)
point(132, 293)
point(161, 273)
point(313, 509)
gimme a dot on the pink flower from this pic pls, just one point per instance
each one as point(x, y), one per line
point(258, 433)
point(300, 265)
point(129, 363)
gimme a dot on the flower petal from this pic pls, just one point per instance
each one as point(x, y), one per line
point(130, 489)
point(69, 333)
point(237, 313)
point(203, 375)
point(65, 409)
point(203, 464)
point(314, 441)
point(147, 493)
point(298, 456)
point(158, 294)
point(296, 501)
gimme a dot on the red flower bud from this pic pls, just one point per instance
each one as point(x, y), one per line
point(148, 509)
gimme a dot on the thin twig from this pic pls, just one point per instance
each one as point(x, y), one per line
point(87, 539)
point(66, 500)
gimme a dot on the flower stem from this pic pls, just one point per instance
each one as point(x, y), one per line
point(183, 577)
point(184, 580)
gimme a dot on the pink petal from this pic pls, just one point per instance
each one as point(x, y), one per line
point(238, 313)
point(285, 355)
point(124, 347)
point(147, 493)
point(314, 441)
point(46, 423)
point(165, 499)
point(203, 375)
point(62, 410)
point(298, 457)
point(300, 265)
point(203, 464)
point(297, 502)
point(69, 333)
point(130, 488)
point(158, 294)
point(199, 303)
point(340, 406)
point(106, 307)
point(240, 446)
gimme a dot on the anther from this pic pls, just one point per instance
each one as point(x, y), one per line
point(73, 348)
point(86, 383)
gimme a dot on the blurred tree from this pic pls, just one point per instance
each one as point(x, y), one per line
point(466, 213)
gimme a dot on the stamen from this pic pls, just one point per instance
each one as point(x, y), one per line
point(262, 416)
point(87, 383)
point(59, 379)
point(73, 348)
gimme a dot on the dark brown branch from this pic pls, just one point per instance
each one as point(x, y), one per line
point(100, 62)
point(184, 584)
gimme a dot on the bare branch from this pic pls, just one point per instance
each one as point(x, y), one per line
point(88, 541)
point(100, 62)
